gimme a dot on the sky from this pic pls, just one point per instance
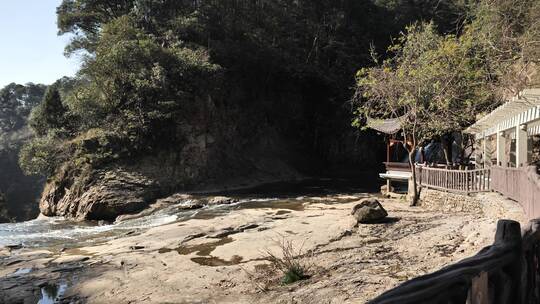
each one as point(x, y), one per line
point(30, 49)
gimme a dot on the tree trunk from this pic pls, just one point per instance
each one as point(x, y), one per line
point(414, 200)
point(446, 150)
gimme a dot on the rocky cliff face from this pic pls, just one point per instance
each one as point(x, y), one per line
point(100, 195)
point(130, 185)
point(222, 145)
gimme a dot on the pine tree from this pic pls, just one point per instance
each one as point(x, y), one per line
point(50, 114)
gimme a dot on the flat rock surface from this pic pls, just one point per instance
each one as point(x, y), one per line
point(224, 259)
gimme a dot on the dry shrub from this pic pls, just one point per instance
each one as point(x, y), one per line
point(294, 262)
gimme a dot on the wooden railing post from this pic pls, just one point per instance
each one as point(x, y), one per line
point(467, 181)
point(479, 292)
point(530, 289)
point(507, 281)
point(446, 179)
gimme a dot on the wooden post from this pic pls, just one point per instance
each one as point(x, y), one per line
point(508, 281)
point(388, 151)
point(467, 183)
point(484, 151)
point(529, 278)
point(501, 155)
point(446, 179)
point(388, 182)
point(479, 293)
point(521, 145)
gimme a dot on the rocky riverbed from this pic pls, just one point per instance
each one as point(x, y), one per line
point(221, 256)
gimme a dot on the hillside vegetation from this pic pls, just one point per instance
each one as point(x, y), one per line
point(18, 193)
point(203, 94)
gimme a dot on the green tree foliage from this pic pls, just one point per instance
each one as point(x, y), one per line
point(441, 81)
point(328, 38)
point(434, 84)
point(41, 156)
point(16, 102)
point(148, 64)
point(84, 18)
point(50, 114)
point(137, 86)
point(448, 15)
point(20, 192)
point(508, 32)
point(438, 84)
point(51, 122)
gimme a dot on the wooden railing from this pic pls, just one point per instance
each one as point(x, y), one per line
point(506, 272)
point(519, 184)
point(461, 181)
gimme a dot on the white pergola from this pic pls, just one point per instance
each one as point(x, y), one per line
point(520, 117)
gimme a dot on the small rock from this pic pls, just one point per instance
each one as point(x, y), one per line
point(67, 268)
point(242, 228)
point(223, 233)
point(42, 284)
point(10, 263)
point(14, 246)
point(342, 235)
point(190, 205)
point(221, 200)
point(193, 236)
point(176, 198)
point(136, 247)
point(71, 259)
point(369, 211)
point(472, 238)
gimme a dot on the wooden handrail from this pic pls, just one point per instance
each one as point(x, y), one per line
point(505, 272)
point(460, 181)
point(521, 185)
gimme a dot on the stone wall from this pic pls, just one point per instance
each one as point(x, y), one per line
point(450, 202)
point(487, 204)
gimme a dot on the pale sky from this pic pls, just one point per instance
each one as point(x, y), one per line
point(30, 50)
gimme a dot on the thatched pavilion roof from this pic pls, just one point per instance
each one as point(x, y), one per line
point(387, 126)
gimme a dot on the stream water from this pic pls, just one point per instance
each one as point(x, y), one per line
point(58, 232)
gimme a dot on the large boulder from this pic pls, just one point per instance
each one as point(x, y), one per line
point(369, 211)
point(97, 195)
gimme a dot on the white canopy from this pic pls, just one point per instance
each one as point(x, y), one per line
point(522, 109)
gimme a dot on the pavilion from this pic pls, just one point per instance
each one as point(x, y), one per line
point(396, 168)
point(505, 135)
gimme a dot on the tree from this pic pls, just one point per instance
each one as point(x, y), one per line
point(136, 88)
point(16, 102)
point(50, 114)
point(280, 63)
point(433, 84)
point(41, 156)
point(508, 32)
point(84, 18)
